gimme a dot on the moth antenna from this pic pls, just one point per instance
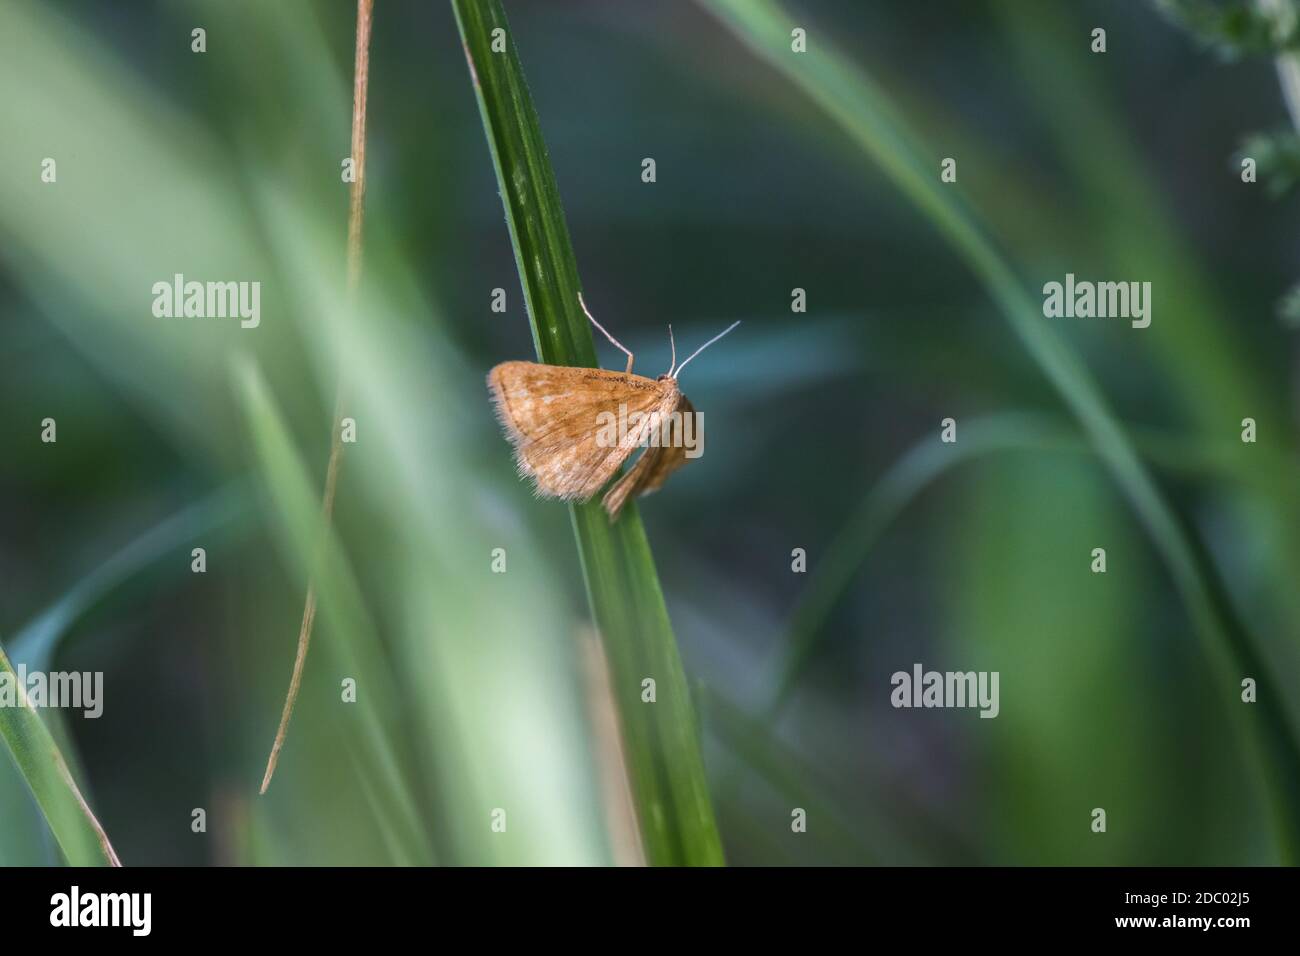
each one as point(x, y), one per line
point(617, 344)
point(672, 345)
point(706, 345)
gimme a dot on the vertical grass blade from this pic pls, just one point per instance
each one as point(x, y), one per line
point(80, 837)
point(674, 808)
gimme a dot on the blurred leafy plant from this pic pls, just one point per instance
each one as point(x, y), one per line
point(1277, 160)
point(1237, 28)
point(1271, 28)
point(1288, 308)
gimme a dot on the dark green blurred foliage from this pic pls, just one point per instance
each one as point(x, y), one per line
point(821, 432)
point(1234, 28)
point(1277, 156)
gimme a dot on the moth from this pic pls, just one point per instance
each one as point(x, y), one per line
point(555, 417)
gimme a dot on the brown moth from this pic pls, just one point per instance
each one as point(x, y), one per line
point(552, 415)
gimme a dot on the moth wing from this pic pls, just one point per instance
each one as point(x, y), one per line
point(653, 467)
point(553, 417)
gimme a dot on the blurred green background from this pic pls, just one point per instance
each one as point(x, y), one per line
point(476, 690)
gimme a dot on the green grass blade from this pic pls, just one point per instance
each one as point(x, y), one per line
point(348, 637)
point(665, 764)
point(916, 470)
point(36, 643)
point(927, 461)
point(868, 116)
point(80, 837)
